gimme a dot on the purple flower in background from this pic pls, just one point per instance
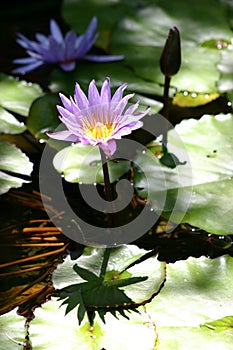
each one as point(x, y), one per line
point(98, 119)
point(64, 51)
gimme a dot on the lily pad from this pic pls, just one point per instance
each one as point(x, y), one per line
point(139, 31)
point(191, 311)
point(17, 95)
point(9, 124)
point(63, 332)
point(117, 71)
point(225, 84)
point(194, 295)
point(13, 163)
point(201, 188)
point(119, 261)
point(222, 324)
point(82, 163)
point(43, 115)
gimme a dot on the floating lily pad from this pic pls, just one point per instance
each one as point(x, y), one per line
point(192, 310)
point(82, 163)
point(222, 324)
point(43, 115)
point(119, 261)
point(225, 84)
point(9, 124)
point(197, 292)
point(117, 71)
point(139, 31)
point(200, 189)
point(13, 163)
point(17, 95)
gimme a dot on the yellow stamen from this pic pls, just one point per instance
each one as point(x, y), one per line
point(101, 131)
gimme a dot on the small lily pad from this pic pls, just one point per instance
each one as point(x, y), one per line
point(13, 163)
point(17, 95)
point(9, 124)
point(82, 163)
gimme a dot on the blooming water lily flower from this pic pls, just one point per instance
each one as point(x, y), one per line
point(98, 119)
point(56, 49)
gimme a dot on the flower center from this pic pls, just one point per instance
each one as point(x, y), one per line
point(101, 131)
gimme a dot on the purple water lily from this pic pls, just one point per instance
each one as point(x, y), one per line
point(98, 119)
point(64, 51)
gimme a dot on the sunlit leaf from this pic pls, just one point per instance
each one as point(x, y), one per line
point(186, 99)
point(222, 324)
point(225, 84)
point(9, 124)
point(14, 161)
point(203, 186)
point(139, 32)
point(82, 163)
point(195, 293)
point(120, 259)
point(17, 95)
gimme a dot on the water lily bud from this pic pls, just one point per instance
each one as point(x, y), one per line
point(170, 59)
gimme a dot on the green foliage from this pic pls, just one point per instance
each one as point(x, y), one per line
point(82, 163)
point(43, 115)
point(13, 163)
point(97, 294)
point(139, 32)
point(193, 310)
point(222, 324)
point(118, 290)
point(201, 188)
point(17, 95)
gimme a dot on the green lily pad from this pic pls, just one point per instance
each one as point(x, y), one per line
point(17, 95)
point(43, 115)
point(52, 330)
point(197, 292)
point(191, 311)
point(225, 84)
point(119, 261)
point(200, 189)
point(139, 31)
point(222, 324)
point(13, 163)
point(9, 124)
point(82, 163)
point(108, 13)
point(119, 73)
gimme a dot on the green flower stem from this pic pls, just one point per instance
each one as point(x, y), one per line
point(105, 262)
point(109, 197)
point(107, 185)
point(166, 107)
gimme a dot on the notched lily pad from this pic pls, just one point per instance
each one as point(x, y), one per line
point(125, 289)
point(200, 189)
point(82, 163)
